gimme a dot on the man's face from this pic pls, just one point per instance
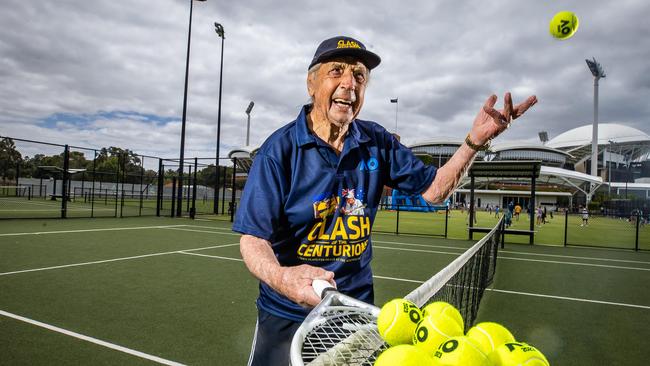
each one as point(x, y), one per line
point(350, 200)
point(337, 89)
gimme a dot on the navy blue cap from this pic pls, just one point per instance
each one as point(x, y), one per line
point(344, 46)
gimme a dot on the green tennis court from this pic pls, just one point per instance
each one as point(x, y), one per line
point(175, 291)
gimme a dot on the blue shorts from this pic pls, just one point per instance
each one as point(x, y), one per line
point(272, 340)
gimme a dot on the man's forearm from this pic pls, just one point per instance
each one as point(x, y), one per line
point(260, 259)
point(449, 175)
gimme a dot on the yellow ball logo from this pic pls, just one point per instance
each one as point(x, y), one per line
point(564, 25)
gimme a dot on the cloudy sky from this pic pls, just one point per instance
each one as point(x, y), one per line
point(110, 73)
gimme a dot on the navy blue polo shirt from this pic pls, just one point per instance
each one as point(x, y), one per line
point(317, 207)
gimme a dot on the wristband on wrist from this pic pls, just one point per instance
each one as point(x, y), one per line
point(476, 147)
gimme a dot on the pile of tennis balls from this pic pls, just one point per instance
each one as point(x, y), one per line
point(433, 336)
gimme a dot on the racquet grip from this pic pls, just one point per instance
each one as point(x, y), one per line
point(322, 287)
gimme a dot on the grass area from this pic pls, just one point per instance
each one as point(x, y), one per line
point(601, 232)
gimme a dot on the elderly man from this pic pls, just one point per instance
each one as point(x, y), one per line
point(292, 233)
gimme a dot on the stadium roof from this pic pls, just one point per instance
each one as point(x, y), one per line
point(504, 146)
point(623, 139)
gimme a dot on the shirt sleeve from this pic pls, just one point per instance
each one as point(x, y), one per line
point(261, 207)
point(406, 172)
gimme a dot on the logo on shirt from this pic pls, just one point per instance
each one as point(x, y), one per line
point(341, 229)
point(371, 164)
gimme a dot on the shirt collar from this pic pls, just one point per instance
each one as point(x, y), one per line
point(305, 137)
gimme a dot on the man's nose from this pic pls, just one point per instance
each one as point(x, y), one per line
point(348, 82)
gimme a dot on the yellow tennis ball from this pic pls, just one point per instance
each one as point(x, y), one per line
point(397, 321)
point(441, 307)
point(404, 355)
point(434, 330)
point(461, 351)
point(490, 335)
point(564, 25)
point(517, 354)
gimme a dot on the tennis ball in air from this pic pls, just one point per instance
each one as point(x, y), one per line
point(517, 354)
point(441, 307)
point(433, 330)
point(461, 351)
point(564, 25)
point(397, 321)
point(490, 335)
point(404, 355)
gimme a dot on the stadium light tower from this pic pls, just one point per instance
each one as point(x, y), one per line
point(218, 28)
point(182, 153)
point(597, 72)
point(248, 125)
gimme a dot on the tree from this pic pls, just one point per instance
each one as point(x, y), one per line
point(9, 158)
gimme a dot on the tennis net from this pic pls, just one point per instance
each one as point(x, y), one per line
point(346, 333)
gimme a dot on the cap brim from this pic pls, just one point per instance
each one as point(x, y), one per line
point(370, 59)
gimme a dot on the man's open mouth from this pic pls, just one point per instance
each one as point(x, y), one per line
point(343, 102)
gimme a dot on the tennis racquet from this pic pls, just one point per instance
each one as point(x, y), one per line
point(340, 330)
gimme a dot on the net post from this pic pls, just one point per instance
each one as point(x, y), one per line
point(566, 225)
point(638, 221)
point(502, 233)
point(29, 198)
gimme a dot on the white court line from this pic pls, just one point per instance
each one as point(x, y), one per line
point(212, 256)
point(92, 340)
point(114, 259)
point(494, 290)
point(570, 299)
point(573, 263)
point(91, 230)
point(533, 294)
point(522, 259)
point(462, 249)
point(201, 231)
point(512, 252)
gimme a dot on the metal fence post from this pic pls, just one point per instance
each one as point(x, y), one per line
point(173, 196)
point(64, 184)
point(446, 219)
point(397, 221)
point(161, 187)
point(566, 225)
point(193, 210)
point(234, 178)
point(638, 221)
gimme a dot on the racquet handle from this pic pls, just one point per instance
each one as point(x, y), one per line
point(322, 287)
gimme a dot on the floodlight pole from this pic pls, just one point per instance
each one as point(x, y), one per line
point(182, 152)
point(396, 101)
point(597, 72)
point(218, 28)
point(248, 125)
